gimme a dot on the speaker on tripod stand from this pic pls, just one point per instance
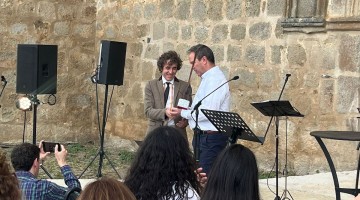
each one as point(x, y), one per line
point(36, 73)
point(110, 71)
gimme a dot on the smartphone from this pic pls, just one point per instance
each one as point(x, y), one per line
point(50, 146)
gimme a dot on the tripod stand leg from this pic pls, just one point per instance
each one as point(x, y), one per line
point(112, 165)
point(89, 165)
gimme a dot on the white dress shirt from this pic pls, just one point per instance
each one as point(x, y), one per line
point(170, 100)
point(218, 100)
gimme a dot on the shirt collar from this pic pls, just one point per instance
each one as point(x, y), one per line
point(164, 80)
point(24, 174)
point(212, 71)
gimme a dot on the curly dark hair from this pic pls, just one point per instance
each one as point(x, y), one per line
point(172, 57)
point(9, 186)
point(23, 156)
point(163, 162)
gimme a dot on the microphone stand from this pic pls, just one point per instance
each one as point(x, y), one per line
point(197, 128)
point(277, 139)
point(5, 83)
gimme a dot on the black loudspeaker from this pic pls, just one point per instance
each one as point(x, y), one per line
point(36, 69)
point(111, 63)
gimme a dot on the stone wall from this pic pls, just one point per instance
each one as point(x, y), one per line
point(248, 41)
point(71, 26)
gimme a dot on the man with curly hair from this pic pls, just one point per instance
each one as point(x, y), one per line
point(164, 93)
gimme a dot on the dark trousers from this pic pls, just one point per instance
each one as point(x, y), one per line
point(210, 146)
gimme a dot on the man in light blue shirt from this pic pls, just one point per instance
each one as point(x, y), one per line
point(212, 142)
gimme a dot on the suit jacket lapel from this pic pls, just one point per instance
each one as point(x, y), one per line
point(176, 92)
point(160, 89)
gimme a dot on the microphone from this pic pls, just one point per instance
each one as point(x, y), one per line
point(199, 103)
point(3, 79)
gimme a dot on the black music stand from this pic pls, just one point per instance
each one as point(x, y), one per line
point(277, 109)
point(232, 125)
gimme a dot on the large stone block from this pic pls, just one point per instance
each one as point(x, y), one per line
point(215, 10)
point(166, 10)
point(199, 10)
point(327, 94)
point(296, 55)
point(61, 28)
point(147, 70)
point(219, 33)
point(234, 53)
point(150, 11)
point(252, 8)
point(182, 11)
point(173, 30)
point(260, 31)
point(158, 30)
point(276, 7)
point(238, 32)
point(349, 53)
point(152, 51)
point(348, 96)
point(18, 28)
point(219, 53)
point(186, 32)
point(233, 9)
point(255, 54)
point(47, 10)
point(201, 33)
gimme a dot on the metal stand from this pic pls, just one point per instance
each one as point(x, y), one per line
point(101, 151)
point(285, 172)
point(35, 101)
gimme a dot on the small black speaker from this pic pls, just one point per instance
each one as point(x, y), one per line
point(111, 62)
point(36, 69)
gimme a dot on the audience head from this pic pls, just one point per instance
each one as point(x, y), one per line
point(163, 162)
point(9, 186)
point(106, 188)
point(26, 156)
point(234, 175)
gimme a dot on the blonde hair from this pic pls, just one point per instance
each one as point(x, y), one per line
point(106, 188)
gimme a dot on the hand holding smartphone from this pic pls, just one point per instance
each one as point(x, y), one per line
point(50, 146)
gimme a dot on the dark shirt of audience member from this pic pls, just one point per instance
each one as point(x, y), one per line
point(9, 185)
point(26, 159)
point(163, 168)
point(234, 175)
point(106, 188)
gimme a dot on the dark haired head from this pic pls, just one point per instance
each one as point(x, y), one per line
point(201, 50)
point(234, 175)
point(163, 162)
point(106, 188)
point(170, 57)
point(23, 156)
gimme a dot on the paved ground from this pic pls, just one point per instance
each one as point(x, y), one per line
point(310, 187)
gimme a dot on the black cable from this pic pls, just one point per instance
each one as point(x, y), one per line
point(97, 108)
point(23, 138)
point(267, 179)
